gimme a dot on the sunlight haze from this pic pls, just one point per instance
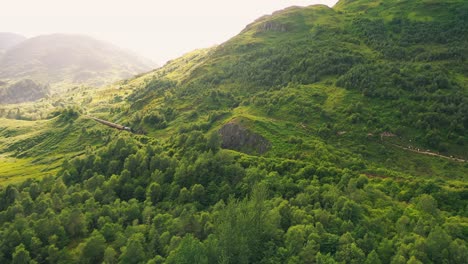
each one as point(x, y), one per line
point(158, 30)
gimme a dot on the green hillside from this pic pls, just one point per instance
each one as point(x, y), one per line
point(316, 135)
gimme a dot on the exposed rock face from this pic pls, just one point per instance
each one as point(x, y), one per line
point(273, 26)
point(236, 137)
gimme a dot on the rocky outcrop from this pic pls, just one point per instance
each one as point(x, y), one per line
point(273, 26)
point(237, 137)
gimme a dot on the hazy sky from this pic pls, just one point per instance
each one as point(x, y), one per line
point(159, 30)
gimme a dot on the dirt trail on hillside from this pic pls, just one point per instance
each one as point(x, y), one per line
point(428, 153)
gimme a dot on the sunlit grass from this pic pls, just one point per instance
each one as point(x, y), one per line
point(14, 170)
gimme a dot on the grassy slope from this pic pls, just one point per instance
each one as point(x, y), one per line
point(298, 110)
point(36, 148)
point(313, 111)
point(213, 86)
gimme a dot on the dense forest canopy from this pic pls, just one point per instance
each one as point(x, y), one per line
point(350, 124)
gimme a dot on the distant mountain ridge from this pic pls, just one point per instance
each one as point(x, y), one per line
point(62, 59)
point(8, 40)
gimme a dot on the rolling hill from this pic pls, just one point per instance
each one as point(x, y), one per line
point(67, 60)
point(316, 135)
point(338, 69)
point(8, 40)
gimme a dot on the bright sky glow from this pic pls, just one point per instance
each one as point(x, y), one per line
point(158, 30)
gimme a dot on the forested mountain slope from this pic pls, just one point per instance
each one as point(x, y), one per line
point(286, 144)
point(22, 91)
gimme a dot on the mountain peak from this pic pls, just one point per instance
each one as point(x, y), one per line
point(8, 40)
point(71, 59)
